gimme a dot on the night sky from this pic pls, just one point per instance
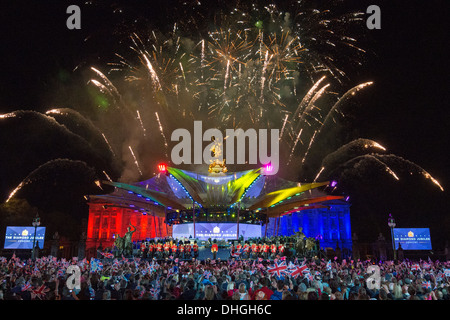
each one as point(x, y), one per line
point(407, 109)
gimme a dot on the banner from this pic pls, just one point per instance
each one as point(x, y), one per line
point(22, 237)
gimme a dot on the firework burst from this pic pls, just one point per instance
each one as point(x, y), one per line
point(256, 66)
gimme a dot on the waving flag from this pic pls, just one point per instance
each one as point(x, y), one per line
point(107, 255)
point(26, 287)
point(309, 276)
point(298, 270)
point(91, 293)
point(260, 266)
point(116, 263)
point(172, 271)
point(39, 292)
point(154, 292)
point(61, 272)
point(96, 265)
point(278, 268)
point(415, 266)
point(447, 272)
point(328, 267)
point(236, 253)
point(426, 285)
point(207, 274)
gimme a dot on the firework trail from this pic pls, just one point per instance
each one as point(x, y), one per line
point(11, 195)
point(140, 121)
point(135, 160)
point(107, 176)
point(241, 73)
point(318, 174)
point(389, 170)
point(161, 130)
point(109, 145)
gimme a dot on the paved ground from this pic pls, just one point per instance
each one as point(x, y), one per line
point(205, 253)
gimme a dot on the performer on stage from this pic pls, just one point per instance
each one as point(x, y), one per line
point(232, 250)
point(187, 249)
point(214, 249)
point(195, 249)
point(281, 248)
point(246, 250)
point(239, 246)
point(260, 250)
point(150, 249)
point(273, 249)
point(173, 248)
point(143, 249)
point(265, 249)
point(181, 249)
point(254, 250)
point(159, 249)
point(166, 248)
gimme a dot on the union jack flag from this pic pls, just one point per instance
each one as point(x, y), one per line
point(107, 255)
point(207, 274)
point(296, 270)
point(116, 263)
point(260, 266)
point(172, 271)
point(426, 285)
point(236, 253)
point(309, 276)
point(60, 272)
point(279, 268)
point(415, 266)
point(96, 265)
point(91, 293)
point(447, 272)
point(39, 292)
point(154, 292)
point(26, 287)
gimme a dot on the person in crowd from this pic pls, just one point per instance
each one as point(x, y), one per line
point(191, 279)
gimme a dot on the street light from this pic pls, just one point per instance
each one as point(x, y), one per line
point(391, 224)
point(36, 223)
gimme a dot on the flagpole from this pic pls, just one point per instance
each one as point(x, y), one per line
point(193, 214)
point(275, 226)
point(267, 222)
point(238, 212)
point(154, 225)
point(278, 224)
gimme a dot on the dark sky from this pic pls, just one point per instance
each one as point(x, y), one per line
point(406, 110)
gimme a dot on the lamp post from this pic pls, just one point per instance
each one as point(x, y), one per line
point(391, 224)
point(36, 223)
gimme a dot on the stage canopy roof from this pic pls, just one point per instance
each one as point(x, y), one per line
point(178, 190)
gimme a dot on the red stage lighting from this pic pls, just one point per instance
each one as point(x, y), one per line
point(162, 167)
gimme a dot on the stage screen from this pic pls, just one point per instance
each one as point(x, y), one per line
point(22, 237)
point(412, 238)
point(219, 231)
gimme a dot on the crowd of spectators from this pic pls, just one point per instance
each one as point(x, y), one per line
point(231, 279)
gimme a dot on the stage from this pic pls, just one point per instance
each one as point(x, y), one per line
point(180, 204)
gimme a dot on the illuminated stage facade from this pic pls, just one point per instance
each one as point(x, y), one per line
point(223, 205)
